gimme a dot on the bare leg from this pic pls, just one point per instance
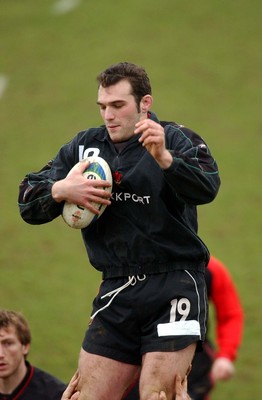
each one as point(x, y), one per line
point(159, 371)
point(102, 378)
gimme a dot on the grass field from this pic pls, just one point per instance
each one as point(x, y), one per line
point(204, 60)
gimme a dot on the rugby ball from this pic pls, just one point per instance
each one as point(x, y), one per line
point(79, 217)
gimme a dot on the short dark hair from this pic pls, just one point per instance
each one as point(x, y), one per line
point(134, 74)
point(16, 319)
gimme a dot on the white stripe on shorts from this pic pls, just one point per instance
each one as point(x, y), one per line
point(179, 328)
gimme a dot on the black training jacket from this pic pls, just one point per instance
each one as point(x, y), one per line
point(36, 385)
point(151, 225)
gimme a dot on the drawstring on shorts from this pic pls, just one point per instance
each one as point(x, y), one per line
point(132, 280)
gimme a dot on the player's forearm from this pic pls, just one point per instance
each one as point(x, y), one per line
point(36, 204)
point(166, 160)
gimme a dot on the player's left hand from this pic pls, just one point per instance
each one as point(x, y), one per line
point(153, 139)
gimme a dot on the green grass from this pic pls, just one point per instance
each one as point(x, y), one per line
point(204, 60)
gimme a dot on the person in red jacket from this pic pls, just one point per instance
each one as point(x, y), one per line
point(215, 363)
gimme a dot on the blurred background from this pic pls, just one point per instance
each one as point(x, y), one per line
point(204, 62)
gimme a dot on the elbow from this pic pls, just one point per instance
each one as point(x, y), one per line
point(204, 193)
point(211, 190)
point(26, 216)
point(210, 195)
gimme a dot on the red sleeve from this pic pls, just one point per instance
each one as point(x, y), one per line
point(228, 310)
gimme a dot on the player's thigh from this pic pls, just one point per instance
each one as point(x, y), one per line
point(103, 378)
point(160, 368)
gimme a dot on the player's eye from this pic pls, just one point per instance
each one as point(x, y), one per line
point(8, 343)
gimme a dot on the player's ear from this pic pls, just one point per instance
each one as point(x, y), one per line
point(146, 103)
point(26, 348)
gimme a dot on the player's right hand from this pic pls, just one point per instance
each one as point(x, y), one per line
point(76, 189)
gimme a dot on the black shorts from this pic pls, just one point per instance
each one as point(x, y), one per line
point(158, 312)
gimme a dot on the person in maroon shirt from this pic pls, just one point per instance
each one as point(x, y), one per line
point(215, 362)
point(19, 380)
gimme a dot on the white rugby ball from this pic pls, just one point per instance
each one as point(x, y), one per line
point(79, 217)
